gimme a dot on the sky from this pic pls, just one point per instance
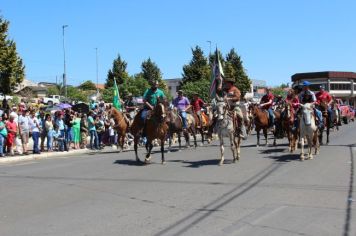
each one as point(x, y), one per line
point(275, 38)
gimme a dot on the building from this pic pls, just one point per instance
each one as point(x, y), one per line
point(173, 85)
point(33, 91)
point(259, 88)
point(338, 83)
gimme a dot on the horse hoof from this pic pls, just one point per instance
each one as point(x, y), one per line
point(302, 157)
point(221, 163)
point(163, 162)
point(311, 157)
point(257, 145)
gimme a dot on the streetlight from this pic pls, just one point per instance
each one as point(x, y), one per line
point(64, 73)
point(97, 73)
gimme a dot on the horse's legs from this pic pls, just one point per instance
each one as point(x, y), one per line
point(195, 137)
point(258, 138)
point(179, 140)
point(221, 138)
point(170, 136)
point(232, 145)
point(201, 130)
point(302, 148)
point(162, 151)
point(316, 143)
point(310, 146)
point(148, 155)
point(136, 140)
point(265, 133)
point(237, 148)
point(327, 133)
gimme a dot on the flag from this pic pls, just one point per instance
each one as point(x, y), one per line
point(116, 102)
point(216, 75)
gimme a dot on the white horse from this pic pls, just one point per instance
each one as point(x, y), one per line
point(224, 127)
point(309, 130)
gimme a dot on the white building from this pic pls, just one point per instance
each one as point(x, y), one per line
point(173, 85)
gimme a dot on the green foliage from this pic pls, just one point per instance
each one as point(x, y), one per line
point(151, 72)
point(283, 85)
point(108, 94)
point(15, 101)
point(118, 72)
point(77, 95)
point(242, 81)
point(53, 90)
point(201, 87)
point(87, 85)
point(197, 69)
point(12, 70)
point(278, 91)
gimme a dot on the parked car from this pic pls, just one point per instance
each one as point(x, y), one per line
point(345, 113)
point(52, 100)
point(2, 96)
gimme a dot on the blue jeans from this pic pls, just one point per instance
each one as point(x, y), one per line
point(94, 134)
point(63, 143)
point(2, 141)
point(144, 114)
point(35, 137)
point(49, 139)
point(271, 117)
point(69, 134)
point(319, 115)
point(183, 114)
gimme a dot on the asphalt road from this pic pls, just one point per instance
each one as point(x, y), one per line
point(268, 192)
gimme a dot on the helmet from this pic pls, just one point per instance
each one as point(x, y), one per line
point(306, 83)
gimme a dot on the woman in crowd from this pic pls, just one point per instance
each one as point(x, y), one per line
point(49, 130)
point(35, 130)
point(76, 130)
point(83, 131)
point(11, 127)
point(3, 134)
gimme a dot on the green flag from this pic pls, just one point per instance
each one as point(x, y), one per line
point(116, 102)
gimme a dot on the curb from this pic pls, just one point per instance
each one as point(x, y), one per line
point(43, 155)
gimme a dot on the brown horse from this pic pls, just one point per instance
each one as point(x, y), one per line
point(155, 128)
point(121, 126)
point(287, 118)
point(202, 125)
point(175, 124)
point(326, 121)
point(261, 121)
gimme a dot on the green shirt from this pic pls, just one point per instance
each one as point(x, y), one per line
point(91, 124)
point(151, 96)
point(3, 131)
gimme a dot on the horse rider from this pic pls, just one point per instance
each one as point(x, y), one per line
point(233, 97)
point(266, 103)
point(150, 98)
point(307, 96)
point(182, 104)
point(292, 98)
point(324, 96)
point(130, 107)
point(197, 103)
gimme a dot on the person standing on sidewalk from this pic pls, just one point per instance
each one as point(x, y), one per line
point(35, 130)
point(83, 131)
point(3, 134)
point(24, 130)
point(76, 130)
point(49, 131)
point(60, 123)
point(92, 131)
point(42, 123)
point(11, 127)
point(68, 121)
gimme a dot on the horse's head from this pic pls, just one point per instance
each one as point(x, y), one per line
point(307, 113)
point(160, 110)
point(221, 109)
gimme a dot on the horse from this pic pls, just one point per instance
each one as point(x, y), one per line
point(326, 121)
point(308, 129)
point(155, 127)
point(261, 122)
point(224, 126)
point(121, 126)
point(202, 125)
point(287, 118)
point(175, 124)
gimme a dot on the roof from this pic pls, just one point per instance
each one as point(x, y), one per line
point(100, 86)
point(324, 74)
point(34, 88)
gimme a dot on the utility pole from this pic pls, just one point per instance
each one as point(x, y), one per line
point(97, 72)
point(64, 72)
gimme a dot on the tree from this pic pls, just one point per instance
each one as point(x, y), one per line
point(242, 81)
point(12, 70)
point(278, 91)
point(201, 87)
point(87, 85)
point(197, 69)
point(118, 72)
point(108, 95)
point(75, 94)
point(151, 72)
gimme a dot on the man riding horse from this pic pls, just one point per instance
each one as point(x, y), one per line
point(307, 96)
point(182, 104)
point(266, 103)
point(197, 104)
point(324, 97)
point(233, 97)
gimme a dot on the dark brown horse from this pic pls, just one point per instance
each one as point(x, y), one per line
point(175, 124)
point(202, 125)
point(287, 118)
point(155, 127)
point(326, 121)
point(121, 126)
point(261, 121)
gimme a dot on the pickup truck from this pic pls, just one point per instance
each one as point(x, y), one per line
point(52, 100)
point(2, 96)
point(345, 113)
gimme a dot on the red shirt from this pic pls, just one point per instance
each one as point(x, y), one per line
point(294, 101)
point(267, 98)
point(11, 125)
point(197, 104)
point(323, 97)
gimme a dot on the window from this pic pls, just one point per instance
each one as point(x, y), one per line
point(340, 86)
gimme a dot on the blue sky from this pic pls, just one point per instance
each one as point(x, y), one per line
point(274, 38)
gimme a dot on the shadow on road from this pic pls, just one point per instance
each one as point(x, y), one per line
point(129, 162)
point(197, 164)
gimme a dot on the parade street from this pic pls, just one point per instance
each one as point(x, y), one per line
point(268, 192)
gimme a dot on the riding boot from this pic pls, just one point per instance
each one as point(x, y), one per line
point(243, 133)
